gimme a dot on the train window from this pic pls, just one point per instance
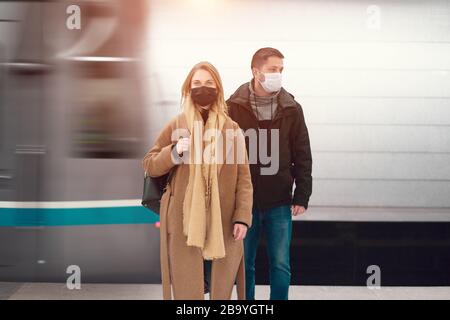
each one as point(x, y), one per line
point(2, 106)
point(5, 174)
point(104, 117)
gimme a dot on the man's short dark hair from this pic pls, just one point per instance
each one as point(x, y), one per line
point(261, 56)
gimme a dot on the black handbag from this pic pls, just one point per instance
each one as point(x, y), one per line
point(154, 188)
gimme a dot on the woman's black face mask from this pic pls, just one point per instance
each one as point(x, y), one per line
point(203, 96)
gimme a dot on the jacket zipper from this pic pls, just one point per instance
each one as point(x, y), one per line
point(277, 115)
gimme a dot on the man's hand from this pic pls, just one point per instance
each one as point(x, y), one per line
point(296, 210)
point(239, 231)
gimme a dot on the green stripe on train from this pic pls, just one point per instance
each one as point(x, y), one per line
point(32, 217)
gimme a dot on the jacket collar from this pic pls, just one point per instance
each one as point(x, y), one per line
point(242, 96)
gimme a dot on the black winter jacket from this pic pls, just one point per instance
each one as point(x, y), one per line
point(295, 160)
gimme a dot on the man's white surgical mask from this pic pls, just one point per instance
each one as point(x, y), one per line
point(272, 82)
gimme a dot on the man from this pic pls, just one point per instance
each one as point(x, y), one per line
point(262, 104)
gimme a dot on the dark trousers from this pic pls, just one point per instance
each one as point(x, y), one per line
point(207, 265)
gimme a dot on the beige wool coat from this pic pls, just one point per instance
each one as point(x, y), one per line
point(182, 265)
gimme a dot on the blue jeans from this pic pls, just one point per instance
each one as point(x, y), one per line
point(276, 225)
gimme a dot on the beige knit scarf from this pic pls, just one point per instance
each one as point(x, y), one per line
point(202, 218)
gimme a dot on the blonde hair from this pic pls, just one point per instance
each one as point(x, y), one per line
point(219, 105)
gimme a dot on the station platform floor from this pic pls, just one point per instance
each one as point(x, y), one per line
point(90, 291)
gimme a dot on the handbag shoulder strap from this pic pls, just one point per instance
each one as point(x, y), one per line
point(172, 171)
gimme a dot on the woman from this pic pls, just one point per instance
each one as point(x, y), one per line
point(207, 207)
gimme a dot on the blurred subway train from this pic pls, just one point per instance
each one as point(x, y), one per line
point(85, 87)
point(72, 139)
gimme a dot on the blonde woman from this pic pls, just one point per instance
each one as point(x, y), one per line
point(207, 208)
